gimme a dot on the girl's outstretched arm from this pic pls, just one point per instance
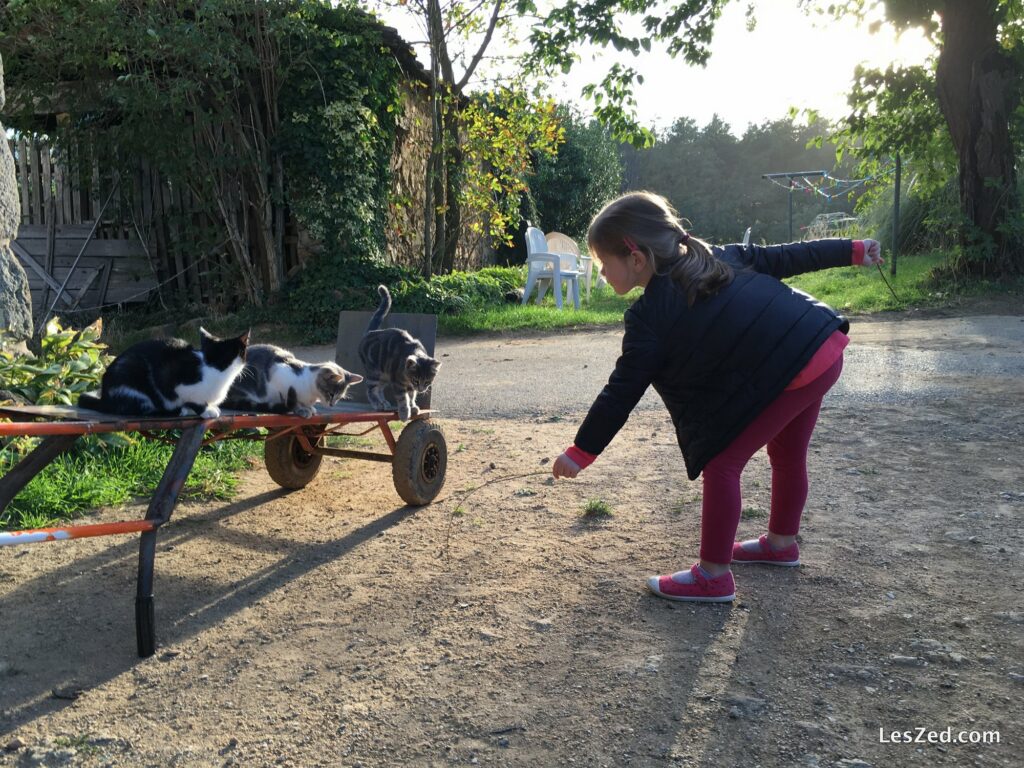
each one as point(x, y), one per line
point(796, 258)
point(641, 360)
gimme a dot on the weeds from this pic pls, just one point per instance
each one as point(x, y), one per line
point(597, 508)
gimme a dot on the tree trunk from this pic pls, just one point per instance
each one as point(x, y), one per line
point(975, 86)
point(454, 159)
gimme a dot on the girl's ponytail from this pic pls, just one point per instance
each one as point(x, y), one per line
point(696, 270)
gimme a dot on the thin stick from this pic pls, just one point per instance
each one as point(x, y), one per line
point(882, 273)
point(463, 495)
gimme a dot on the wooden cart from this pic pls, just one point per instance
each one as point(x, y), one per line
point(294, 447)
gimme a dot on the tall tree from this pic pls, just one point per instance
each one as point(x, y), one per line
point(977, 77)
point(458, 36)
point(976, 84)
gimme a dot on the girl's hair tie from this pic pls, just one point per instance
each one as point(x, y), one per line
point(628, 242)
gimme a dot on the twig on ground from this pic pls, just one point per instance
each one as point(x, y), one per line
point(463, 495)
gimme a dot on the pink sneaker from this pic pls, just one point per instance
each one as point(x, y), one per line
point(760, 551)
point(721, 589)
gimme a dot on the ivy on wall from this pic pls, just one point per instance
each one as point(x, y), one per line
point(257, 109)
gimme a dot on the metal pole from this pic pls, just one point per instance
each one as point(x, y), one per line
point(791, 210)
point(896, 217)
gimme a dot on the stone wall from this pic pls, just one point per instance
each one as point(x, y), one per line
point(15, 300)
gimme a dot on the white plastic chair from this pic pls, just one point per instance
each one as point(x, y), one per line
point(559, 243)
point(544, 267)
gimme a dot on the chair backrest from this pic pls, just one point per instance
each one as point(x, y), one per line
point(535, 242)
point(352, 326)
point(559, 243)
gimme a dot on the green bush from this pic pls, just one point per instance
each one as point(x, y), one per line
point(314, 301)
point(69, 363)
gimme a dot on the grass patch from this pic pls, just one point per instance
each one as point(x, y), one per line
point(603, 309)
point(597, 508)
point(95, 477)
point(752, 513)
point(860, 290)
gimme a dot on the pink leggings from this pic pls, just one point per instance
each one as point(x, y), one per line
point(785, 427)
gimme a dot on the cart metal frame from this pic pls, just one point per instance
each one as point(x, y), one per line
point(294, 447)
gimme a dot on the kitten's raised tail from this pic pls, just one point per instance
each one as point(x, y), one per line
point(382, 310)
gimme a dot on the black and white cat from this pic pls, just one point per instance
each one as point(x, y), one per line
point(392, 356)
point(275, 381)
point(169, 377)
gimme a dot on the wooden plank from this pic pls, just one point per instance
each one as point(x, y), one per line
point(120, 266)
point(51, 236)
point(63, 230)
point(174, 241)
point(90, 278)
point(26, 210)
point(47, 178)
point(36, 214)
point(193, 270)
point(105, 284)
point(27, 260)
point(67, 246)
point(94, 190)
point(66, 206)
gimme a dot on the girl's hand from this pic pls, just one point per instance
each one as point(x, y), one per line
point(565, 467)
point(872, 253)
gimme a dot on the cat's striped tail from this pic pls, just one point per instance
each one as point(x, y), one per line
point(382, 311)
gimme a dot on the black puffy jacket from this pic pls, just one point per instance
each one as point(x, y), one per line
point(718, 364)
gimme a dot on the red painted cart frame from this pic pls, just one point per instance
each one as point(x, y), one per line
point(293, 450)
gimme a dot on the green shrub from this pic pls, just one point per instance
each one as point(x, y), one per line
point(69, 363)
point(318, 295)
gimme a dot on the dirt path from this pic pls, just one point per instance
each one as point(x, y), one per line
point(333, 626)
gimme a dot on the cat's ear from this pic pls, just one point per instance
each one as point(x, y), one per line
point(434, 365)
point(410, 363)
point(205, 334)
point(244, 338)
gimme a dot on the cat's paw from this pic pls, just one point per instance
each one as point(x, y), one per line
point(304, 411)
point(414, 410)
point(380, 402)
point(211, 412)
point(404, 413)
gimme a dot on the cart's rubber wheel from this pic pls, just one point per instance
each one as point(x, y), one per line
point(288, 463)
point(421, 459)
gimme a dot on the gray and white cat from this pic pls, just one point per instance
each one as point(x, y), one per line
point(275, 381)
point(392, 356)
point(169, 377)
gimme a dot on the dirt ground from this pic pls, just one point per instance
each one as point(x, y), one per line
point(334, 626)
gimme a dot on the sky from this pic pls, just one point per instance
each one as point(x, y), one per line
point(791, 59)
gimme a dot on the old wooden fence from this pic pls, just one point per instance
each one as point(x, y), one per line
point(142, 233)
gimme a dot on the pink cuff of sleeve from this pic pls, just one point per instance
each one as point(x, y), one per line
point(582, 458)
point(858, 252)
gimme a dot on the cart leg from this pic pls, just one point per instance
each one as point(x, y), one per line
point(160, 507)
point(30, 466)
point(145, 617)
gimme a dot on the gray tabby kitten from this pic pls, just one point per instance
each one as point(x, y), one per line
point(275, 381)
point(392, 356)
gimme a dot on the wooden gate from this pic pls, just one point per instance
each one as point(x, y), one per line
point(78, 242)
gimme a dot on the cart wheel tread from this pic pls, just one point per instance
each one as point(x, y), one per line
point(420, 462)
point(288, 464)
